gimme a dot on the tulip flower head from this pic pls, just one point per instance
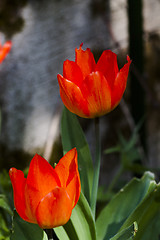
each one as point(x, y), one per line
point(4, 50)
point(48, 195)
point(91, 89)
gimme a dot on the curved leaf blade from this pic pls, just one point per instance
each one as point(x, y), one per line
point(113, 216)
point(25, 231)
point(73, 136)
point(147, 215)
point(4, 204)
point(127, 233)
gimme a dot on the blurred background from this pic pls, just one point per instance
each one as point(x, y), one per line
point(44, 34)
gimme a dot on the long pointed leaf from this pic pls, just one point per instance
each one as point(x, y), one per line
point(73, 136)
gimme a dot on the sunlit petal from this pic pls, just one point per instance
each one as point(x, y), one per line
point(54, 209)
point(85, 60)
point(72, 97)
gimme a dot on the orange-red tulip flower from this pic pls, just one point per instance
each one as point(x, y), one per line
point(89, 89)
point(48, 195)
point(4, 50)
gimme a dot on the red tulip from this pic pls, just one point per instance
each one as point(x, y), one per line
point(89, 89)
point(47, 196)
point(4, 50)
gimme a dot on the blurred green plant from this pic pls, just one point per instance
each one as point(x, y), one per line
point(6, 206)
point(131, 157)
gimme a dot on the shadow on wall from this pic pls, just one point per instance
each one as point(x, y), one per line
point(11, 20)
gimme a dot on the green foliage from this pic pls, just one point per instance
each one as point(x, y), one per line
point(138, 201)
point(148, 216)
point(5, 183)
point(127, 233)
point(130, 157)
point(4, 231)
point(73, 136)
point(4, 204)
point(128, 150)
point(81, 225)
point(5, 209)
point(26, 231)
point(133, 213)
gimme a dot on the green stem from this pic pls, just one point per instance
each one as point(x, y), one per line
point(51, 234)
point(96, 168)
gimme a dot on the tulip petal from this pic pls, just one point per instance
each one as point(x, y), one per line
point(4, 50)
point(67, 166)
point(72, 72)
point(120, 84)
point(74, 190)
point(97, 91)
point(41, 180)
point(54, 209)
point(67, 170)
point(72, 97)
point(107, 64)
point(85, 60)
point(19, 183)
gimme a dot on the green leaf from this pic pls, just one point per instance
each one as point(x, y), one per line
point(127, 233)
point(73, 136)
point(4, 204)
point(81, 224)
point(23, 230)
point(113, 150)
point(5, 183)
point(147, 215)
point(5, 218)
point(4, 231)
point(113, 216)
point(133, 140)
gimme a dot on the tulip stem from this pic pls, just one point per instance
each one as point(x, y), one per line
point(96, 167)
point(51, 234)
